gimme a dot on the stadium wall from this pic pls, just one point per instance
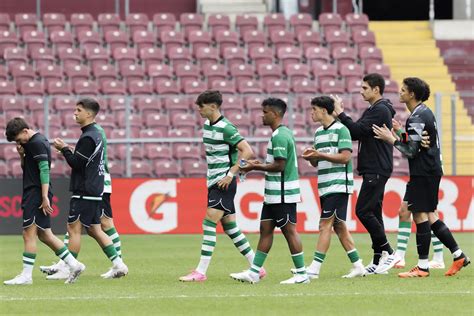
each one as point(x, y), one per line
point(177, 206)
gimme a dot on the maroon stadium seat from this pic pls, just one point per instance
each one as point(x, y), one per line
point(357, 21)
point(241, 120)
point(261, 55)
point(117, 169)
point(15, 55)
point(34, 39)
point(35, 104)
point(185, 151)
point(272, 86)
point(167, 87)
point(194, 87)
point(105, 72)
point(351, 71)
point(370, 55)
point(187, 72)
point(65, 104)
point(282, 38)
point(61, 39)
point(140, 87)
point(172, 39)
point(232, 102)
point(245, 22)
point(330, 21)
point(216, 72)
point(42, 56)
point(305, 86)
point(199, 39)
point(54, 22)
point(337, 38)
point(301, 22)
point(4, 22)
point(207, 56)
point(167, 169)
point(132, 72)
point(317, 55)
point(78, 72)
point(97, 56)
point(324, 71)
point(177, 104)
point(194, 168)
point(141, 169)
point(179, 56)
point(136, 22)
point(160, 72)
point(58, 87)
point(26, 22)
point(143, 39)
point(150, 133)
point(148, 105)
point(108, 22)
point(88, 39)
point(158, 152)
point(269, 71)
point(353, 85)
point(226, 39)
point(391, 86)
point(330, 86)
point(242, 72)
point(253, 39)
point(308, 39)
point(218, 22)
point(116, 40)
point(191, 21)
point(159, 122)
point(113, 87)
point(7, 87)
point(151, 56)
point(297, 72)
point(380, 68)
point(125, 56)
point(85, 87)
point(250, 86)
point(13, 104)
point(363, 38)
point(224, 86)
point(81, 22)
point(163, 22)
point(344, 55)
point(184, 122)
point(234, 56)
point(274, 22)
point(22, 73)
point(7, 40)
point(289, 55)
point(69, 56)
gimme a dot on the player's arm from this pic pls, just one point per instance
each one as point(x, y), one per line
point(83, 151)
point(245, 153)
point(408, 149)
point(21, 153)
point(40, 155)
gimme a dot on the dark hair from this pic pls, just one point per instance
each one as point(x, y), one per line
point(89, 104)
point(419, 87)
point(14, 127)
point(375, 80)
point(324, 102)
point(278, 104)
point(208, 97)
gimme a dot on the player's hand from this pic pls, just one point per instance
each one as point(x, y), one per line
point(46, 207)
point(224, 183)
point(310, 154)
point(338, 105)
point(384, 133)
point(59, 144)
point(396, 125)
point(425, 140)
point(20, 149)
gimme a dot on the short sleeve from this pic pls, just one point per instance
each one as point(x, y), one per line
point(280, 147)
point(232, 135)
point(38, 151)
point(345, 140)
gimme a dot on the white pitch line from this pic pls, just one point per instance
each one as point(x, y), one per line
point(135, 297)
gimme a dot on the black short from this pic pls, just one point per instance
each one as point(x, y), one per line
point(421, 193)
point(30, 203)
point(87, 211)
point(222, 199)
point(106, 208)
point(280, 213)
point(334, 204)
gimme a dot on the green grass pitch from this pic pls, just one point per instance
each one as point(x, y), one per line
point(156, 262)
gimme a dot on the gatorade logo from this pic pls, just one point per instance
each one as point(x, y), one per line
point(150, 209)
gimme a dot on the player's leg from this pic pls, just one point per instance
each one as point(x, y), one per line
point(404, 231)
point(442, 232)
point(29, 256)
point(348, 244)
point(208, 244)
point(423, 238)
point(322, 246)
point(107, 223)
point(296, 249)
point(438, 258)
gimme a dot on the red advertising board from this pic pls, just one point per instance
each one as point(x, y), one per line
point(179, 205)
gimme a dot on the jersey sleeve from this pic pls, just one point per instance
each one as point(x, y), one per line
point(38, 151)
point(280, 147)
point(345, 140)
point(232, 135)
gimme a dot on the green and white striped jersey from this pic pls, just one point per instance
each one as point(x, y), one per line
point(107, 177)
point(282, 187)
point(220, 141)
point(334, 177)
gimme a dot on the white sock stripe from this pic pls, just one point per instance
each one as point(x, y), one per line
point(207, 248)
point(244, 246)
point(62, 254)
point(30, 260)
point(210, 238)
point(118, 244)
point(303, 269)
point(404, 230)
point(403, 239)
point(238, 238)
point(114, 236)
point(297, 254)
point(232, 231)
point(209, 228)
point(351, 251)
point(255, 267)
point(203, 257)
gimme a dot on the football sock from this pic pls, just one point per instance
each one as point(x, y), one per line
point(444, 235)
point(318, 259)
point(423, 238)
point(111, 253)
point(66, 239)
point(66, 256)
point(404, 230)
point(437, 248)
point(28, 263)
point(208, 245)
point(353, 255)
point(113, 234)
point(298, 261)
point(258, 261)
point(239, 240)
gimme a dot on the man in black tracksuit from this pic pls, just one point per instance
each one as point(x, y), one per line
point(375, 165)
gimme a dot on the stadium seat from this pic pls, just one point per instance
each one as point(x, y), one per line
point(53, 120)
point(357, 21)
point(289, 55)
point(232, 102)
point(135, 121)
point(207, 56)
point(14, 56)
point(4, 22)
point(116, 40)
point(241, 120)
point(3, 170)
point(344, 55)
point(160, 72)
point(150, 133)
point(104, 73)
point(12, 104)
point(224, 86)
point(97, 56)
point(141, 169)
point(69, 57)
point(261, 56)
point(218, 22)
point(140, 87)
point(216, 72)
point(89, 39)
point(117, 169)
point(159, 122)
point(254, 39)
point(234, 56)
point(61, 39)
point(199, 39)
point(26, 22)
point(351, 71)
point(250, 87)
point(370, 55)
point(147, 105)
point(330, 21)
point(353, 85)
point(136, 22)
point(281, 39)
point(166, 169)
point(54, 22)
point(194, 87)
point(297, 72)
point(113, 87)
point(10, 153)
point(164, 22)
point(391, 86)
point(246, 22)
point(125, 56)
point(242, 72)
point(253, 103)
point(108, 22)
point(187, 72)
point(308, 39)
point(84, 87)
point(143, 39)
point(179, 56)
point(167, 87)
point(172, 39)
point(363, 38)
point(305, 86)
point(330, 86)
point(176, 104)
point(7, 87)
point(67, 133)
point(77, 72)
point(42, 56)
point(269, 71)
point(324, 71)
point(22, 73)
point(337, 38)
point(158, 152)
point(81, 22)
point(301, 22)
point(272, 86)
point(185, 151)
point(274, 22)
point(7, 40)
point(317, 55)
point(151, 56)
point(305, 168)
point(37, 104)
point(184, 122)
point(65, 104)
point(3, 72)
point(194, 168)
point(226, 39)
point(190, 22)
point(118, 103)
point(132, 72)
point(180, 133)
point(58, 87)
